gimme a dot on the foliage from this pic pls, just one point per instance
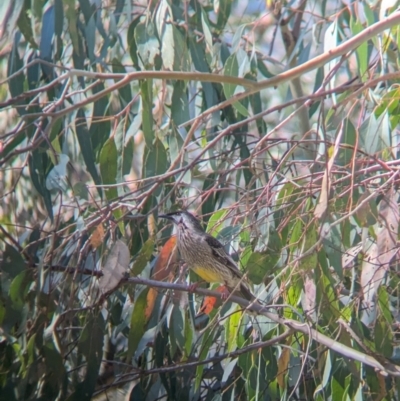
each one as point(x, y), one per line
point(277, 122)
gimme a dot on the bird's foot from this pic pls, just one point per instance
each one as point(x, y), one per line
point(225, 293)
point(193, 287)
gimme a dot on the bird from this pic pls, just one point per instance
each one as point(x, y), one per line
point(205, 255)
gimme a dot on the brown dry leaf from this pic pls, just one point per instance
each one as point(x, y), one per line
point(309, 298)
point(350, 255)
point(115, 267)
point(283, 363)
point(379, 254)
point(366, 212)
point(323, 202)
point(372, 275)
point(388, 216)
point(97, 236)
point(164, 269)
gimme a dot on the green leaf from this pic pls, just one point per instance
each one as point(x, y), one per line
point(263, 69)
point(372, 131)
point(206, 344)
point(223, 10)
point(292, 297)
point(133, 50)
point(208, 205)
point(181, 52)
point(333, 248)
point(383, 338)
point(309, 262)
point(71, 16)
point(207, 31)
point(347, 144)
point(25, 25)
point(16, 84)
point(189, 334)
point(180, 104)
point(124, 92)
point(85, 144)
point(46, 41)
point(232, 328)
point(231, 68)
point(367, 212)
point(138, 392)
point(91, 346)
point(19, 289)
point(257, 267)
point(176, 329)
point(125, 155)
point(146, 89)
point(38, 166)
point(12, 262)
point(198, 55)
point(148, 46)
point(362, 50)
point(54, 364)
point(155, 162)
point(384, 305)
point(143, 257)
point(138, 323)
point(108, 167)
point(257, 107)
point(215, 223)
point(99, 127)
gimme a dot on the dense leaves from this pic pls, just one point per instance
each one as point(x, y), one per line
point(276, 122)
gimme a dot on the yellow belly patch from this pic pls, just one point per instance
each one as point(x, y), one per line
point(208, 275)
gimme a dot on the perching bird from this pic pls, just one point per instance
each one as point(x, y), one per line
point(205, 255)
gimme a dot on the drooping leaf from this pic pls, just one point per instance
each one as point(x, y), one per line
point(46, 40)
point(38, 165)
point(148, 46)
point(25, 25)
point(180, 104)
point(388, 217)
point(16, 83)
point(143, 257)
point(138, 324)
point(91, 346)
point(12, 262)
point(56, 179)
point(108, 168)
point(223, 9)
point(85, 143)
point(366, 212)
point(164, 270)
point(99, 130)
point(115, 267)
point(155, 162)
point(362, 50)
point(124, 92)
point(147, 112)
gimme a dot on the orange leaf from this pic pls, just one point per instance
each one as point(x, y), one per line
point(210, 303)
point(97, 236)
point(166, 261)
point(164, 269)
point(283, 363)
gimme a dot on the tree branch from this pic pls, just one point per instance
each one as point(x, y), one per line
point(384, 367)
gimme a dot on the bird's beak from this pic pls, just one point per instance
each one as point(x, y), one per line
point(166, 216)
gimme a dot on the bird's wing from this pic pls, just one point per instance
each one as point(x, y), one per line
point(219, 253)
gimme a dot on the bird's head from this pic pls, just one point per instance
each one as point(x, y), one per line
point(184, 220)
